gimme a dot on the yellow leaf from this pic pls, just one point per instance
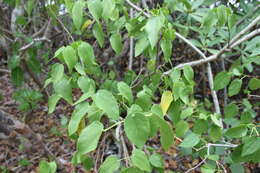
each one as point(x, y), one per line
point(166, 101)
point(86, 24)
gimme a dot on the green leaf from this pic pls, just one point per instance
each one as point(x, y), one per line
point(57, 72)
point(251, 146)
point(166, 133)
point(77, 115)
point(181, 128)
point(237, 168)
point(216, 118)
point(95, 8)
point(34, 64)
point(86, 54)
point(86, 84)
point(58, 52)
point(64, 90)
point(175, 75)
point(125, 91)
point(137, 128)
point(237, 132)
point(222, 15)
point(116, 43)
point(110, 165)
point(215, 133)
point(108, 8)
point(140, 160)
point(166, 100)
point(166, 46)
point(89, 137)
point(190, 141)
point(14, 61)
point(69, 5)
point(132, 170)
point(52, 102)
point(156, 160)
point(17, 76)
point(29, 6)
point(47, 167)
point(77, 13)
point(254, 84)
point(107, 102)
point(234, 87)
point(178, 89)
point(188, 73)
point(80, 69)
point(221, 80)
point(70, 57)
point(200, 126)
point(141, 45)
point(98, 34)
point(152, 28)
point(186, 112)
point(209, 20)
point(230, 110)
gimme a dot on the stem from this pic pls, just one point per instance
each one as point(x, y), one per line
point(112, 126)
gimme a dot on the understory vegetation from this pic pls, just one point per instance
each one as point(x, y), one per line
point(129, 86)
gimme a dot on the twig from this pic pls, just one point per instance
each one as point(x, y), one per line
point(219, 145)
point(112, 126)
point(40, 31)
point(131, 53)
point(63, 26)
point(198, 165)
point(137, 8)
point(213, 92)
point(32, 42)
point(253, 23)
point(4, 71)
point(246, 37)
point(254, 96)
point(222, 166)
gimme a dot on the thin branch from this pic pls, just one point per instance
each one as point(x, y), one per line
point(222, 166)
point(246, 37)
point(234, 42)
point(219, 145)
point(137, 8)
point(198, 165)
point(4, 71)
point(253, 23)
point(131, 53)
point(213, 92)
point(32, 42)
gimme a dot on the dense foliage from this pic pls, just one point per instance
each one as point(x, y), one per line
point(183, 72)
